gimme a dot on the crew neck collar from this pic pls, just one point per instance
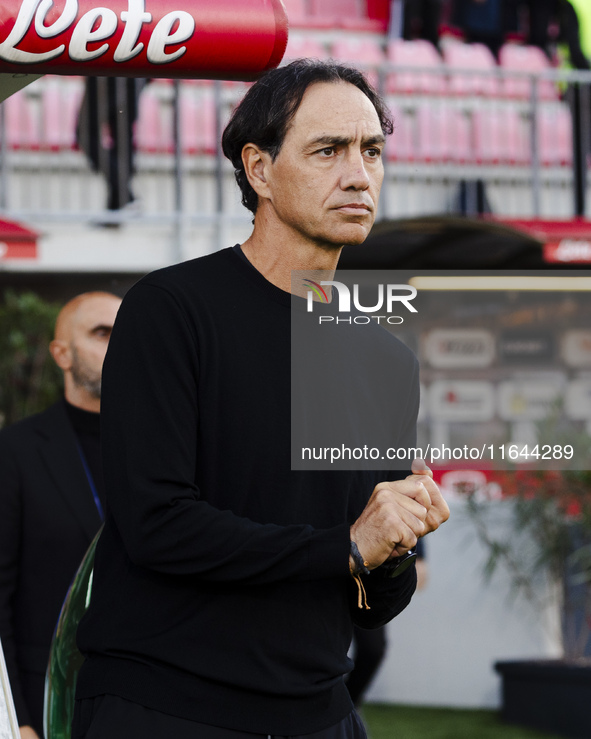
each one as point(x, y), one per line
point(287, 299)
point(82, 420)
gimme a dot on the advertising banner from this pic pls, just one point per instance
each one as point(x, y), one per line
point(482, 370)
point(209, 39)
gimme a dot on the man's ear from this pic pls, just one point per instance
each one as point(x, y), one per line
point(62, 356)
point(256, 166)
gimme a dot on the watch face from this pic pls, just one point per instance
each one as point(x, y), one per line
point(403, 563)
point(64, 659)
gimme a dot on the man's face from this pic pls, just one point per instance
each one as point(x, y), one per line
point(91, 331)
point(325, 182)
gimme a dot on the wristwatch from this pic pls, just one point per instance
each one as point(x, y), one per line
point(397, 566)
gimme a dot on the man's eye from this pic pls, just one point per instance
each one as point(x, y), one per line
point(374, 153)
point(328, 151)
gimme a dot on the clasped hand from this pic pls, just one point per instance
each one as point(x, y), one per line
point(397, 514)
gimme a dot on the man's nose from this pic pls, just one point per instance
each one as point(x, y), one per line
point(354, 176)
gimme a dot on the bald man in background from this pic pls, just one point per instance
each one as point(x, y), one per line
point(51, 501)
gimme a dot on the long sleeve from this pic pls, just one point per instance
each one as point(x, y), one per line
point(386, 597)
point(151, 432)
point(221, 577)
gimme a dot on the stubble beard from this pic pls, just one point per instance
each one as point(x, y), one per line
point(84, 377)
point(329, 246)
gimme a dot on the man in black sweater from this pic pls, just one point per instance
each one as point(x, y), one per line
point(226, 584)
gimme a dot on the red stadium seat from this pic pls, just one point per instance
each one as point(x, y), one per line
point(555, 136)
point(300, 47)
point(296, 12)
point(154, 128)
point(197, 113)
point(444, 134)
point(151, 134)
point(466, 58)
point(366, 52)
point(457, 126)
point(333, 11)
point(61, 100)
point(421, 55)
point(400, 146)
point(21, 129)
point(349, 14)
point(517, 58)
point(500, 137)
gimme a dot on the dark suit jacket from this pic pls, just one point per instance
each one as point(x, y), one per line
point(47, 520)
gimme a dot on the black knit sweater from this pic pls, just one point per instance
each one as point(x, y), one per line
point(221, 589)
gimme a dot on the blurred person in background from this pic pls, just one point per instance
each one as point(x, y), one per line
point(576, 31)
point(416, 19)
point(51, 501)
point(562, 28)
point(109, 110)
point(488, 22)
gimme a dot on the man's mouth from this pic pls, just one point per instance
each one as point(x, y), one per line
point(354, 208)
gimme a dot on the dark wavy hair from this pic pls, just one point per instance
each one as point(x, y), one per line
point(266, 111)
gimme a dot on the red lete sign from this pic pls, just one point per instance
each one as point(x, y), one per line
point(214, 39)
